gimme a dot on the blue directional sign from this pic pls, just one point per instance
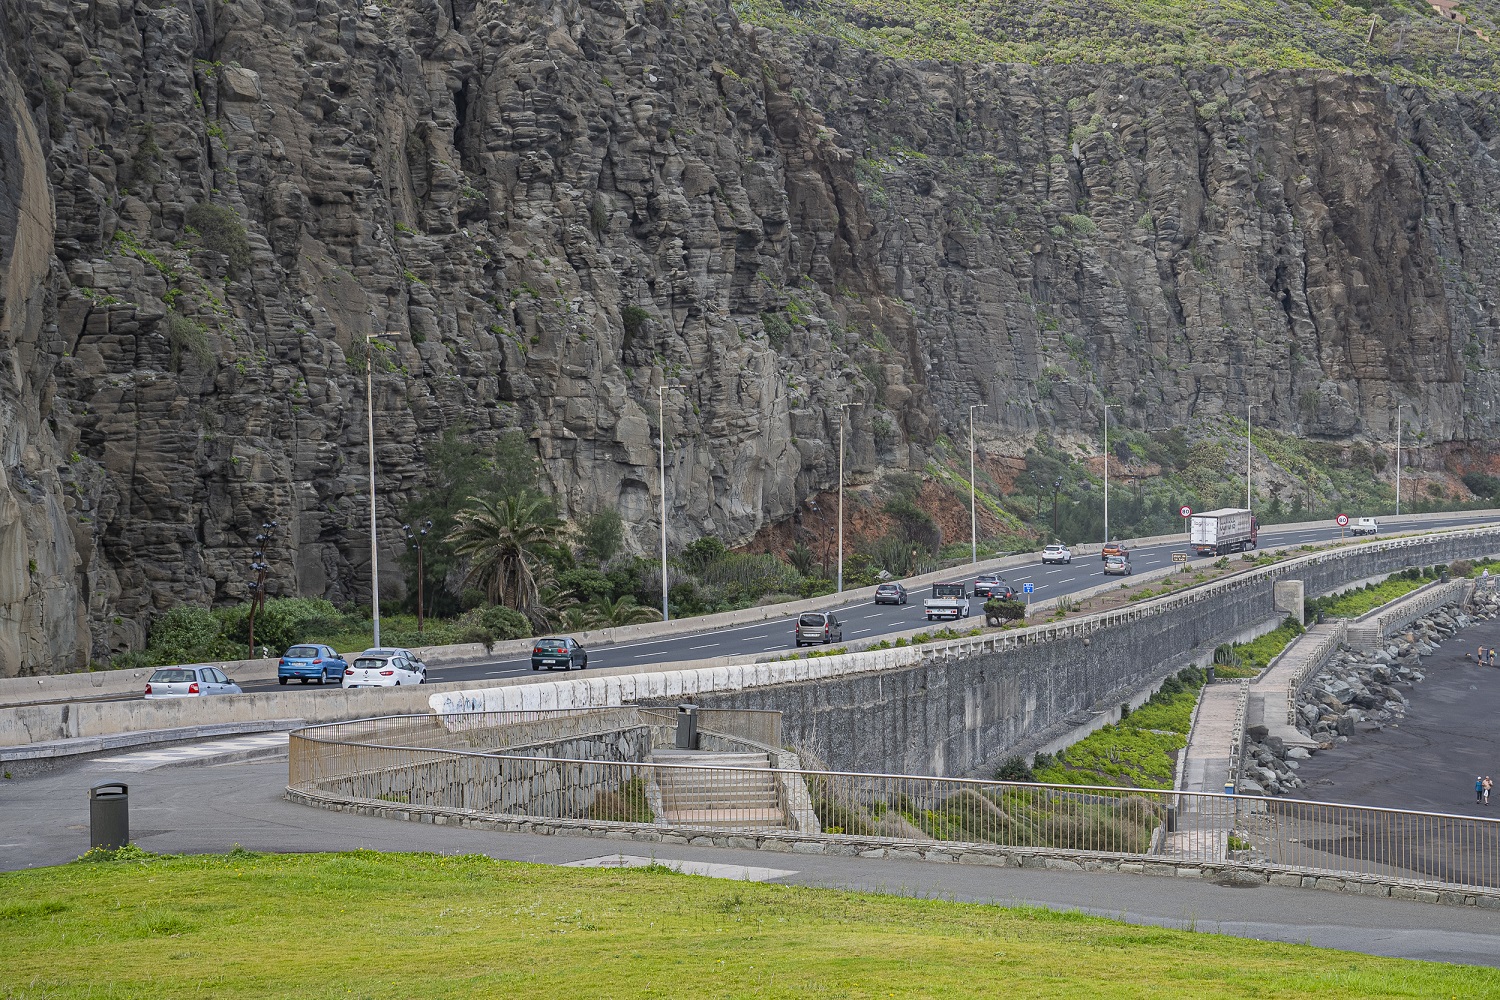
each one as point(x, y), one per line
point(1028, 588)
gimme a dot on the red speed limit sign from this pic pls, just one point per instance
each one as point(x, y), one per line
point(1342, 520)
point(1185, 511)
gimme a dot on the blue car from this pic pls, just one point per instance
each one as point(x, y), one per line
point(311, 663)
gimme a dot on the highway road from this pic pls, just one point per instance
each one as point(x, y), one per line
point(866, 620)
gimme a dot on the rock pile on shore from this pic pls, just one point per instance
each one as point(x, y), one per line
point(1357, 692)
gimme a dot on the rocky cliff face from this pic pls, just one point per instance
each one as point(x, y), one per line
point(556, 209)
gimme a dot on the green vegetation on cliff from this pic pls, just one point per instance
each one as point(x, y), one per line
point(1409, 41)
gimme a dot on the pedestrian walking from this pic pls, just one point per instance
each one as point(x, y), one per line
point(1478, 788)
point(1488, 784)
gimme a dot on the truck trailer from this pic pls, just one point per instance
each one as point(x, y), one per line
point(1217, 532)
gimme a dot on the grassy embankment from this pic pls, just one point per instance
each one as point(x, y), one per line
point(367, 925)
point(1139, 751)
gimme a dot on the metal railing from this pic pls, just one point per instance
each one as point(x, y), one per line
point(1408, 609)
point(1310, 837)
point(1237, 741)
point(1317, 656)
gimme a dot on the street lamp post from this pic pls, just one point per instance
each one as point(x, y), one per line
point(973, 506)
point(415, 540)
point(1056, 485)
point(842, 408)
point(1247, 456)
point(661, 445)
point(1399, 408)
point(370, 440)
point(1107, 407)
point(261, 567)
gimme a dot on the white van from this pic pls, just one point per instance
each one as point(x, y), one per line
point(1365, 526)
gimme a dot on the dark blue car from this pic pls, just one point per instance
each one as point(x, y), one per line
point(311, 663)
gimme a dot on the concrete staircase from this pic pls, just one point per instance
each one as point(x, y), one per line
point(718, 799)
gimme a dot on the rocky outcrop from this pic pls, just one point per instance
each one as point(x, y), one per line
point(558, 208)
point(1357, 693)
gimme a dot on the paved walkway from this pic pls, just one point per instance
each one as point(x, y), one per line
point(44, 821)
point(1269, 692)
point(1215, 737)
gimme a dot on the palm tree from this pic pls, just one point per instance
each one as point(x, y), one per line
point(575, 619)
point(613, 614)
point(500, 539)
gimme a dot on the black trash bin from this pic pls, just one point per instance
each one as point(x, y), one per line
point(687, 727)
point(109, 815)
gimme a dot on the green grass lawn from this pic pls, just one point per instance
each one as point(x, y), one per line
point(367, 925)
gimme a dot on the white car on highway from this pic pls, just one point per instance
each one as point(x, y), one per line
point(385, 668)
point(1365, 526)
point(195, 681)
point(1057, 552)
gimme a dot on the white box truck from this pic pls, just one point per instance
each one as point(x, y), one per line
point(1216, 532)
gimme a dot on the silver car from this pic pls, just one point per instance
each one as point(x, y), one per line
point(195, 681)
point(818, 626)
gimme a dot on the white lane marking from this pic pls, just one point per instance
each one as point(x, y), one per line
point(642, 656)
point(1041, 586)
point(1050, 572)
point(859, 631)
point(143, 760)
point(739, 873)
point(710, 645)
point(878, 614)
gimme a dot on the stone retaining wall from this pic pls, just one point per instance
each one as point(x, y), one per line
point(958, 714)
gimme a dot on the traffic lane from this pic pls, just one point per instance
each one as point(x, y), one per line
point(867, 620)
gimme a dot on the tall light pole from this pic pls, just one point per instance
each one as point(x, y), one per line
point(1399, 408)
point(1247, 456)
point(842, 408)
point(661, 446)
point(973, 507)
point(370, 439)
point(1106, 470)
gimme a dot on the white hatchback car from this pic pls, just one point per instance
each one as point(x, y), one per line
point(195, 681)
point(384, 668)
point(1057, 553)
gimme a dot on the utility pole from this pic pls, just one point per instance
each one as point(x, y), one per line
point(973, 507)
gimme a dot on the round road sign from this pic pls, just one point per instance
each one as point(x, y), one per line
point(1185, 511)
point(1342, 520)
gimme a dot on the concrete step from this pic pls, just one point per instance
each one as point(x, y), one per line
point(720, 804)
point(727, 818)
point(701, 758)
